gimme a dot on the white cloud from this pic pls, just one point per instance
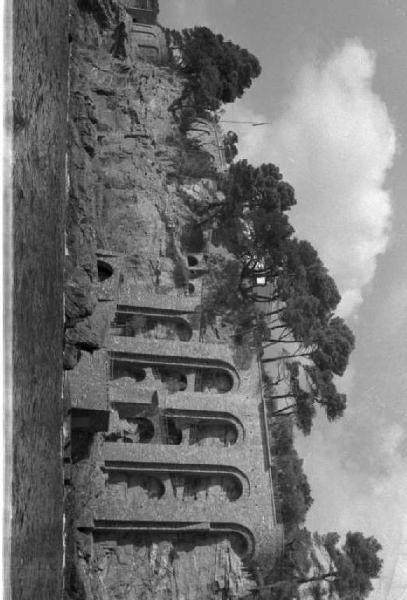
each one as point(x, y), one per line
point(334, 142)
point(349, 497)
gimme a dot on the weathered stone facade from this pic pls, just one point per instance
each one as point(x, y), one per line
point(186, 448)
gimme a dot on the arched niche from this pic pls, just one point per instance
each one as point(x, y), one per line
point(176, 374)
point(144, 484)
point(175, 379)
point(206, 487)
point(149, 326)
point(207, 433)
point(213, 380)
point(205, 427)
point(134, 487)
point(184, 535)
point(127, 368)
point(132, 430)
point(105, 271)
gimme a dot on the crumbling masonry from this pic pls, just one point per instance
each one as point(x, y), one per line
point(186, 446)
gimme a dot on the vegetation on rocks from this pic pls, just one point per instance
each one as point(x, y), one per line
point(346, 573)
point(216, 71)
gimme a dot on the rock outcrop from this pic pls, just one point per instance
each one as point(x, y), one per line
point(118, 160)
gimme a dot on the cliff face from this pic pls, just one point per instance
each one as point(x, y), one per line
point(125, 196)
point(119, 158)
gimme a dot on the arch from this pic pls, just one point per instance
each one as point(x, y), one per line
point(191, 289)
point(148, 33)
point(105, 271)
point(143, 323)
point(207, 487)
point(213, 380)
point(230, 474)
point(243, 538)
point(209, 375)
point(203, 487)
point(209, 419)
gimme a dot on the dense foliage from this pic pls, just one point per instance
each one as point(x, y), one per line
point(293, 493)
point(216, 71)
point(299, 298)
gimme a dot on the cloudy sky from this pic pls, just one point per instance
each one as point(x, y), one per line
point(334, 90)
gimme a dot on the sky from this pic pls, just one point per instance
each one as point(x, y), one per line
point(334, 89)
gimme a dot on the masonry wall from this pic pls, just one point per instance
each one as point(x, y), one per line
point(186, 446)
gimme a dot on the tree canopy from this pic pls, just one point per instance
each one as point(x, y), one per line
point(356, 563)
point(293, 490)
point(217, 71)
point(301, 296)
point(251, 219)
point(352, 567)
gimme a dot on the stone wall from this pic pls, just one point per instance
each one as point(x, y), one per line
point(166, 481)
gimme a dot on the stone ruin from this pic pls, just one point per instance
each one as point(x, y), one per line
point(181, 454)
point(185, 451)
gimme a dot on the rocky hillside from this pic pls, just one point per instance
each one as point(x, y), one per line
point(128, 194)
point(320, 564)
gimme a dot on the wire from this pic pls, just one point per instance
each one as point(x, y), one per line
point(248, 122)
